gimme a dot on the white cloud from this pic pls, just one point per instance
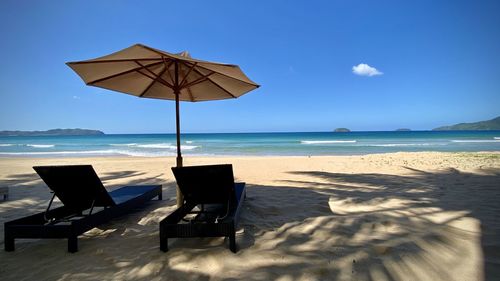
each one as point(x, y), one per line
point(363, 69)
point(76, 97)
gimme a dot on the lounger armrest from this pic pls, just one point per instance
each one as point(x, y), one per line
point(240, 191)
point(178, 214)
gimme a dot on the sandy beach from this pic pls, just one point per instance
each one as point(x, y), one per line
point(395, 216)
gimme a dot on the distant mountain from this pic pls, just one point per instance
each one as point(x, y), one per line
point(403, 130)
point(342, 130)
point(53, 132)
point(489, 125)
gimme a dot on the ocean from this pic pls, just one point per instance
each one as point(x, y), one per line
point(250, 144)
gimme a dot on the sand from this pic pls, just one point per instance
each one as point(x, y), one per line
point(398, 216)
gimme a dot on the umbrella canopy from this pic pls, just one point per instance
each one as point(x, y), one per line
point(151, 73)
point(146, 72)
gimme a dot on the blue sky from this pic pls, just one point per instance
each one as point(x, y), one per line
point(440, 63)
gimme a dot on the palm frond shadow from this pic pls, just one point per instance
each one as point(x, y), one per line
point(407, 239)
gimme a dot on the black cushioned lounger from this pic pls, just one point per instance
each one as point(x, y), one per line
point(219, 198)
point(80, 190)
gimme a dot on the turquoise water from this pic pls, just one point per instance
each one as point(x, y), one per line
point(321, 143)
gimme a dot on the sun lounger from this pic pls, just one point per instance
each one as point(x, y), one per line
point(219, 198)
point(81, 192)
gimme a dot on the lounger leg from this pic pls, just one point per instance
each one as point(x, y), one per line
point(9, 245)
point(73, 244)
point(164, 244)
point(163, 241)
point(232, 242)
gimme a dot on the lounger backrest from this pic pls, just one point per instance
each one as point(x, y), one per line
point(77, 186)
point(210, 184)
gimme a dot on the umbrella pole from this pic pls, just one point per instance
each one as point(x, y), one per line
point(180, 197)
point(178, 130)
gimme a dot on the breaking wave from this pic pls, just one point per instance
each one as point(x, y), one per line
point(476, 141)
point(109, 152)
point(123, 144)
point(405, 144)
point(328, 142)
point(157, 145)
point(41, 145)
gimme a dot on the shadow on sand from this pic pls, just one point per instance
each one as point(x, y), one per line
point(411, 227)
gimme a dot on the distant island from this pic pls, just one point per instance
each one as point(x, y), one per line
point(342, 130)
point(489, 125)
point(53, 132)
point(403, 130)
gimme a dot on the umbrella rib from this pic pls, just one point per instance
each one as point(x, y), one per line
point(223, 89)
point(184, 79)
point(168, 72)
point(190, 94)
point(251, 83)
point(155, 76)
point(118, 74)
point(216, 84)
point(107, 61)
point(145, 74)
point(197, 81)
point(153, 82)
point(191, 97)
point(152, 50)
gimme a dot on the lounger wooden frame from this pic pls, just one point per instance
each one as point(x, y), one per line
point(202, 191)
point(70, 221)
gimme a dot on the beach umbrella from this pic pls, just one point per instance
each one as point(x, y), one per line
point(146, 72)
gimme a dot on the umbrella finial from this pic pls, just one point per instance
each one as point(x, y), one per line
point(184, 54)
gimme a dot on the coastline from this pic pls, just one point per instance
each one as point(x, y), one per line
point(313, 218)
point(249, 144)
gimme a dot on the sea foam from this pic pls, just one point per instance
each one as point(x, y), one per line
point(476, 141)
point(155, 145)
point(405, 144)
point(123, 144)
point(327, 141)
point(167, 146)
point(40, 145)
point(109, 152)
point(59, 152)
